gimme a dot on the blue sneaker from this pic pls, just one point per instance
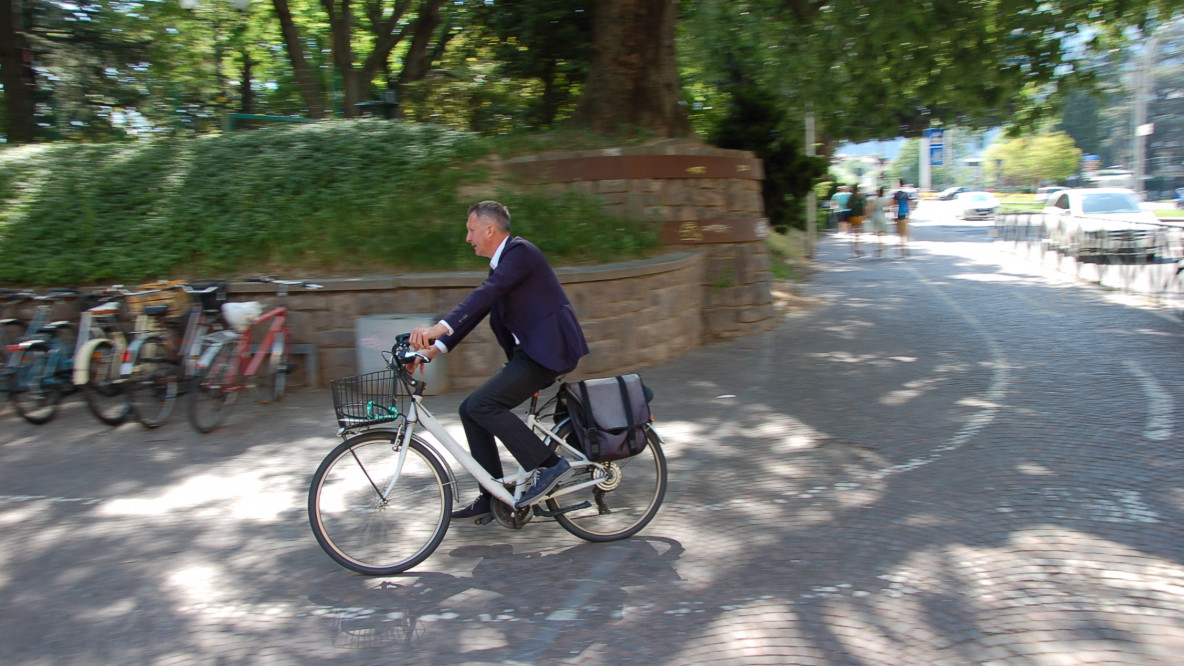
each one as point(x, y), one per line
point(546, 478)
point(475, 509)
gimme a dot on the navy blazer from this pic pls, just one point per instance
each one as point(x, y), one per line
point(523, 297)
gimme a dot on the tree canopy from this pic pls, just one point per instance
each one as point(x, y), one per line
point(1032, 160)
point(872, 70)
point(864, 69)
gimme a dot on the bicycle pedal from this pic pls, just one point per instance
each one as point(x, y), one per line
point(540, 511)
point(484, 520)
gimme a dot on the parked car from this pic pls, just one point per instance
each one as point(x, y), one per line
point(951, 192)
point(976, 205)
point(1101, 222)
point(1043, 193)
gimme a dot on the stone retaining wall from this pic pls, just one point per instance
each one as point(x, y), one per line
point(707, 199)
point(714, 284)
point(634, 314)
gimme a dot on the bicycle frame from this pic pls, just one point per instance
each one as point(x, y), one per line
point(38, 332)
point(418, 414)
point(246, 363)
point(190, 348)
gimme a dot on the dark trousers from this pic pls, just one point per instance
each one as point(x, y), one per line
point(486, 414)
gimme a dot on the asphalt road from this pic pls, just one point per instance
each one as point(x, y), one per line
point(958, 457)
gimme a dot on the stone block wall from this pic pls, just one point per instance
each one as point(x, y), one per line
point(706, 199)
point(714, 283)
point(634, 314)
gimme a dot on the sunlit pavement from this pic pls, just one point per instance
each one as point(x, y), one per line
point(959, 457)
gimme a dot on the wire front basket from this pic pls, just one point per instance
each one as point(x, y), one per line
point(369, 399)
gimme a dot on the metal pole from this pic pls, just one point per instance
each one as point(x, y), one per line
point(812, 197)
point(925, 177)
point(1141, 130)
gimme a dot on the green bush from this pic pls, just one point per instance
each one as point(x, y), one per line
point(338, 197)
point(757, 120)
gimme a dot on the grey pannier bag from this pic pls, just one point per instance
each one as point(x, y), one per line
point(609, 415)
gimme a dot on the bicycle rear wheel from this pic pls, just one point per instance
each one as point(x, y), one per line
point(212, 392)
point(33, 386)
point(366, 525)
point(623, 503)
point(152, 385)
point(103, 390)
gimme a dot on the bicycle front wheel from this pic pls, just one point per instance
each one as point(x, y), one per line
point(212, 392)
point(33, 386)
point(620, 505)
point(365, 523)
point(103, 390)
point(152, 386)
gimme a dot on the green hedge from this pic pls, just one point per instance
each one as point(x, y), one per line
point(338, 197)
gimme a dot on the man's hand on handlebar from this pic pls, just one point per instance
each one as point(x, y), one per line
point(422, 338)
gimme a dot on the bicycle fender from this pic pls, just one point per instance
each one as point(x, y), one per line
point(82, 360)
point(125, 365)
point(26, 345)
point(452, 485)
point(207, 356)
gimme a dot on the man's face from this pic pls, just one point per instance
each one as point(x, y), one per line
point(482, 236)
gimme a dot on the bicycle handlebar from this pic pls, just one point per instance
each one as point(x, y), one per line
point(271, 279)
point(402, 353)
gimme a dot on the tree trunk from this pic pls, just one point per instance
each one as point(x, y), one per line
point(306, 79)
point(419, 59)
point(341, 29)
point(246, 94)
point(16, 75)
point(633, 80)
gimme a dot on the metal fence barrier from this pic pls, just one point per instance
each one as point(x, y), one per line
point(1145, 262)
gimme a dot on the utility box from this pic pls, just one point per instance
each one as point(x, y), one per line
point(375, 334)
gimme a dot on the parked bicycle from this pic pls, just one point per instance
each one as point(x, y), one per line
point(40, 362)
point(381, 501)
point(11, 328)
point(97, 353)
point(162, 359)
point(230, 366)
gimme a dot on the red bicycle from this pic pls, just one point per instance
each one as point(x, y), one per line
point(230, 366)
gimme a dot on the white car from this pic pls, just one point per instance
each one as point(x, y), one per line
point(1101, 222)
point(1043, 194)
point(976, 205)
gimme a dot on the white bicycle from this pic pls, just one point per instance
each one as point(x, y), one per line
point(381, 501)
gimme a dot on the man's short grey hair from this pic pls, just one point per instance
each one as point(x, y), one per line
point(494, 213)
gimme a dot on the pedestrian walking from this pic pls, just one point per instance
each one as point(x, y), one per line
point(877, 219)
point(901, 199)
point(839, 203)
point(857, 204)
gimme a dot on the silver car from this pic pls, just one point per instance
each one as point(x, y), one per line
point(976, 205)
point(1101, 222)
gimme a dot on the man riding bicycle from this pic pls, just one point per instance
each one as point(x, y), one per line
point(535, 324)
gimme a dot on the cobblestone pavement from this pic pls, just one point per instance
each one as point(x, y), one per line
point(954, 458)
